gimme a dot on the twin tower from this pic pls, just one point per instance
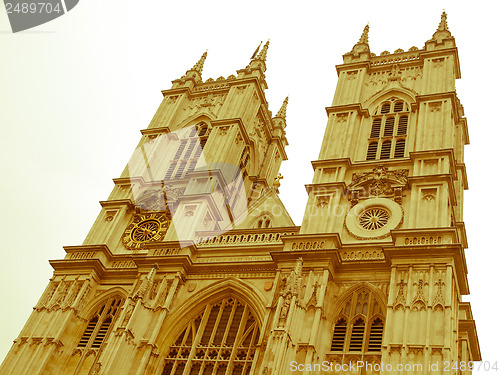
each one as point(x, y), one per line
point(194, 267)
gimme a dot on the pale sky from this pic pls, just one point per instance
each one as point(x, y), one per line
point(76, 91)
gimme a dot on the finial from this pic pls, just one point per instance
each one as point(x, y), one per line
point(282, 111)
point(263, 54)
point(256, 51)
point(364, 36)
point(443, 25)
point(199, 65)
point(277, 179)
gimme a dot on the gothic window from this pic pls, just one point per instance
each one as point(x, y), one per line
point(385, 152)
point(188, 152)
point(219, 341)
point(376, 125)
point(389, 127)
point(399, 150)
point(388, 131)
point(372, 151)
point(264, 222)
point(402, 125)
point(359, 325)
point(202, 129)
point(100, 324)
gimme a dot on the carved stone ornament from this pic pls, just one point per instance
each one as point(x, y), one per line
point(152, 199)
point(147, 227)
point(380, 182)
point(158, 197)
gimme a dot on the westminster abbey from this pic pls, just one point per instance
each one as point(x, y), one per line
point(194, 266)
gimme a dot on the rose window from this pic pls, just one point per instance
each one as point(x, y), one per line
point(374, 218)
point(146, 231)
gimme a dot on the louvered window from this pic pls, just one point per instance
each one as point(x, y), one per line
point(357, 334)
point(221, 340)
point(402, 125)
point(339, 334)
point(376, 331)
point(385, 152)
point(202, 129)
point(398, 106)
point(386, 108)
point(399, 150)
point(351, 332)
point(376, 125)
point(372, 151)
point(100, 324)
point(389, 127)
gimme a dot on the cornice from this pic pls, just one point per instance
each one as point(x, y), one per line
point(352, 66)
point(318, 259)
point(118, 202)
point(461, 168)
point(347, 107)
point(328, 163)
point(468, 326)
point(327, 187)
point(176, 91)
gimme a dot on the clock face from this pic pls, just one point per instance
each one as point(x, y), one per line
point(145, 228)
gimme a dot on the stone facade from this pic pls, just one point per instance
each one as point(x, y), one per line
point(194, 266)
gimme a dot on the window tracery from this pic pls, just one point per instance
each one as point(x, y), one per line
point(388, 130)
point(100, 324)
point(360, 324)
point(264, 222)
point(219, 341)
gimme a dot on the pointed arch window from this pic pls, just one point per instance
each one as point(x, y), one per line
point(376, 332)
point(359, 325)
point(219, 341)
point(388, 130)
point(189, 151)
point(264, 222)
point(100, 324)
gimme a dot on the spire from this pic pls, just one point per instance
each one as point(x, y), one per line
point(256, 52)
point(364, 36)
point(442, 32)
point(263, 53)
point(199, 65)
point(443, 25)
point(362, 44)
point(282, 111)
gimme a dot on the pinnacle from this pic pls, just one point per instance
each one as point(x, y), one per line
point(364, 36)
point(442, 31)
point(282, 111)
point(443, 25)
point(199, 65)
point(263, 53)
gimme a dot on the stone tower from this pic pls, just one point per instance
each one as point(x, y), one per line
point(194, 266)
